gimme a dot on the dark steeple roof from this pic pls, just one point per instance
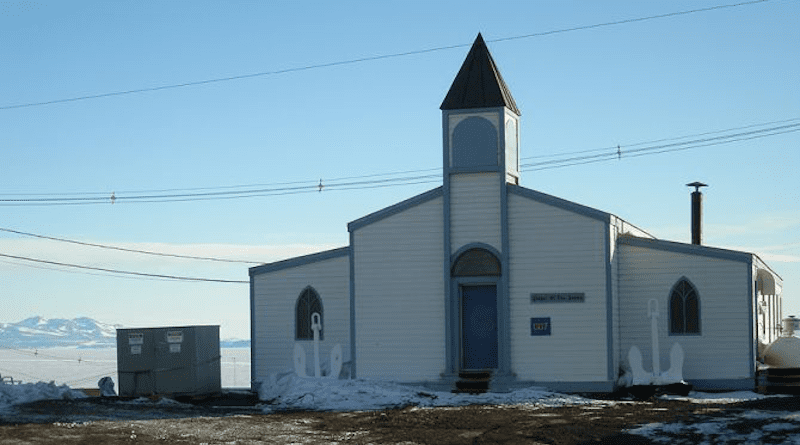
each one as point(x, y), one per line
point(478, 83)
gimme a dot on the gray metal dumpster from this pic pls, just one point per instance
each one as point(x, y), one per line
point(168, 361)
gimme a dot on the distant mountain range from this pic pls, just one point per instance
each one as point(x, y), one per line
point(82, 332)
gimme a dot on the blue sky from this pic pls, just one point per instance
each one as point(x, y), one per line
point(594, 88)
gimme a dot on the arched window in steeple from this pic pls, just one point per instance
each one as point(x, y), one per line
point(308, 303)
point(684, 309)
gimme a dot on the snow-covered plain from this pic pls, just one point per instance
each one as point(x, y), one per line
point(83, 368)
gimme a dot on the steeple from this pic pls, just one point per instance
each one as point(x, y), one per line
point(480, 119)
point(478, 83)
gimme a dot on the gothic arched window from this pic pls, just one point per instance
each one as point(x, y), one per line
point(307, 304)
point(684, 308)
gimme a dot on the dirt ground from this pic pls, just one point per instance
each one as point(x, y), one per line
point(109, 422)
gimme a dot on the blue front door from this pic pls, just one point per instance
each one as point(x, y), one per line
point(479, 327)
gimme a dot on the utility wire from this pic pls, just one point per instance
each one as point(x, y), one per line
point(618, 153)
point(373, 58)
point(35, 353)
point(74, 271)
point(310, 187)
point(123, 249)
point(124, 272)
point(108, 372)
point(626, 21)
point(676, 138)
point(308, 183)
point(382, 180)
point(9, 373)
point(565, 162)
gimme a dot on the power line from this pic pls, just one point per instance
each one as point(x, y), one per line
point(36, 353)
point(401, 178)
point(82, 272)
point(123, 249)
point(372, 58)
point(626, 21)
point(676, 138)
point(124, 272)
point(308, 183)
point(618, 153)
point(309, 187)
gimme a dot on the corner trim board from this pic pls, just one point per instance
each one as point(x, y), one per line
point(352, 306)
point(253, 355)
point(750, 322)
point(450, 308)
point(611, 353)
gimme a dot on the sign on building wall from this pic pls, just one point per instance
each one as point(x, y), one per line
point(558, 298)
point(540, 326)
point(136, 340)
point(174, 338)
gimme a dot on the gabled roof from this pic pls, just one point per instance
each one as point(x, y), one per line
point(395, 209)
point(688, 249)
point(560, 203)
point(299, 261)
point(478, 83)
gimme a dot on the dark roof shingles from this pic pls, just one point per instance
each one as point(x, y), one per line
point(478, 83)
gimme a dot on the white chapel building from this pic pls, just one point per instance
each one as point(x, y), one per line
point(482, 279)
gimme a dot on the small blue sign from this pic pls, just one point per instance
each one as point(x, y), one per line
point(540, 326)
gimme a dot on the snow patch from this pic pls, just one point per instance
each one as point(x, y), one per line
point(289, 392)
point(721, 397)
point(11, 394)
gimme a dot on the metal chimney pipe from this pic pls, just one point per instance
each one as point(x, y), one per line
point(697, 212)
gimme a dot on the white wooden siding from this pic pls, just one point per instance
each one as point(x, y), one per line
point(555, 250)
point(475, 210)
point(722, 351)
point(400, 296)
point(275, 298)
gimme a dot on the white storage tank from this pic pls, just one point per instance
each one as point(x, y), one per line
point(168, 361)
point(780, 372)
point(785, 351)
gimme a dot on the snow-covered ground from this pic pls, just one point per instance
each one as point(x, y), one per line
point(82, 368)
point(289, 392)
point(293, 393)
point(747, 427)
point(743, 426)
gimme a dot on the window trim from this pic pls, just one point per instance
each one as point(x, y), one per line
point(684, 306)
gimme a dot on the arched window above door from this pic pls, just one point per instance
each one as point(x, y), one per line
point(476, 262)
